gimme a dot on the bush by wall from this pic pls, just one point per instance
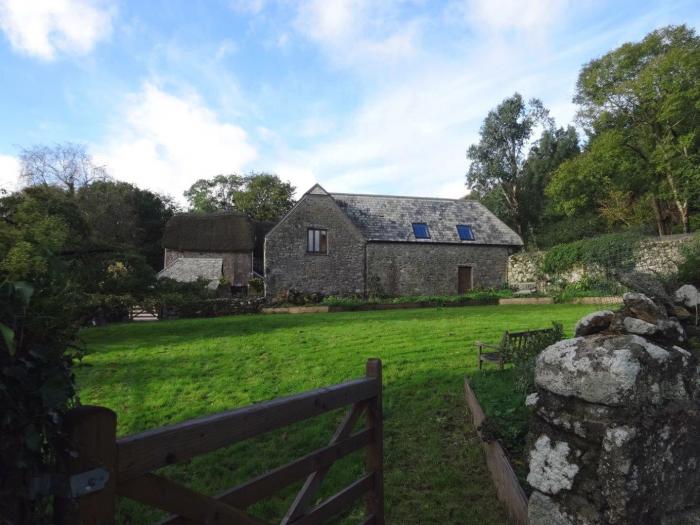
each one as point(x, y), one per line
point(607, 252)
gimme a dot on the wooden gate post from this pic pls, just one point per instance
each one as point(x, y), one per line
point(375, 451)
point(92, 444)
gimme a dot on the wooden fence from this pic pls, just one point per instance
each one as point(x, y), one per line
point(103, 467)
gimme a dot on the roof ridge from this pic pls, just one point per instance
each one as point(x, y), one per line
point(333, 194)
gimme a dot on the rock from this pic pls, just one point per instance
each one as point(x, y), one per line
point(550, 468)
point(594, 323)
point(607, 370)
point(645, 283)
point(543, 510)
point(633, 325)
point(641, 307)
point(531, 399)
point(681, 313)
point(688, 296)
point(672, 330)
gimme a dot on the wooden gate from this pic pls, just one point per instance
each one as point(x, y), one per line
point(102, 467)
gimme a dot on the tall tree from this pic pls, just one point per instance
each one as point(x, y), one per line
point(498, 160)
point(215, 194)
point(126, 218)
point(647, 94)
point(261, 196)
point(65, 165)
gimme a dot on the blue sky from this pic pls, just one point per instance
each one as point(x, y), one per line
point(361, 96)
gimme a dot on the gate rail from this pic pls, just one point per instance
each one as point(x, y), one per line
point(125, 466)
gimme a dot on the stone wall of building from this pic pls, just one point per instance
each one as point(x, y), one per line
point(430, 268)
point(237, 267)
point(658, 256)
point(289, 266)
point(616, 420)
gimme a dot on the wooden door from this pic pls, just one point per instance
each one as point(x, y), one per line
point(464, 279)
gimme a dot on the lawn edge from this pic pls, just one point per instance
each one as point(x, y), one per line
point(508, 489)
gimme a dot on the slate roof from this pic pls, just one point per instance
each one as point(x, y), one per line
point(189, 269)
point(210, 232)
point(390, 218)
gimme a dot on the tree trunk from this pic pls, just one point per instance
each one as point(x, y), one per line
point(681, 205)
point(657, 216)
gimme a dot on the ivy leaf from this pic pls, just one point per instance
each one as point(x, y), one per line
point(9, 337)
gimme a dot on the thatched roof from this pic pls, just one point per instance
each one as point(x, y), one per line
point(210, 232)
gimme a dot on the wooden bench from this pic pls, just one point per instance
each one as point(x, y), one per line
point(511, 343)
point(525, 289)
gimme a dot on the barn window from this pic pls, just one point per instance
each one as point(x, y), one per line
point(420, 230)
point(465, 232)
point(317, 241)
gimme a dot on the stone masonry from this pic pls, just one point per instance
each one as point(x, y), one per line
point(616, 422)
point(372, 248)
point(431, 269)
point(656, 256)
point(288, 266)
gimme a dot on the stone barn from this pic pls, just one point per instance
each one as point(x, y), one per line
point(341, 243)
point(214, 245)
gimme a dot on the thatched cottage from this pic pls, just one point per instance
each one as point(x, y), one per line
point(341, 243)
point(212, 246)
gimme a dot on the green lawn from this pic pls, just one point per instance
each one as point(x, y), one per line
point(160, 373)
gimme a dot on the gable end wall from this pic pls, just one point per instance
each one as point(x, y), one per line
point(289, 266)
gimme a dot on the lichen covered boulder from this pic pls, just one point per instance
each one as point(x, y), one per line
point(611, 370)
point(594, 323)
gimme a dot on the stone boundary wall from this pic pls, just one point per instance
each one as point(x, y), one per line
point(616, 415)
point(658, 256)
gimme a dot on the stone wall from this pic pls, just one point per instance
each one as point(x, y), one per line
point(430, 268)
point(659, 256)
point(237, 267)
point(289, 266)
point(616, 420)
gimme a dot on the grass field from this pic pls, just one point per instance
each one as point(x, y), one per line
point(161, 373)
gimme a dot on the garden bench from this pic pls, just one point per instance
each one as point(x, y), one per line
point(511, 343)
point(525, 288)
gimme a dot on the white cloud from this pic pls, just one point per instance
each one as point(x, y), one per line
point(505, 15)
point(43, 28)
point(359, 33)
point(9, 173)
point(165, 142)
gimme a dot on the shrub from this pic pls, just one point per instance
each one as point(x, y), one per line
point(257, 284)
point(614, 251)
point(689, 269)
point(524, 359)
point(37, 348)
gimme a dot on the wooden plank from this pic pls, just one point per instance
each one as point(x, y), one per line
point(92, 436)
point(169, 496)
point(150, 450)
point(311, 485)
point(270, 482)
point(374, 458)
point(337, 503)
point(508, 489)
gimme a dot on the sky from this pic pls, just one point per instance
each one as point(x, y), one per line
point(357, 95)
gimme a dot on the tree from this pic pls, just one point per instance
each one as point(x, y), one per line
point(261, 196)
point(498, 160)
point(265, 197)
point(215, 194)
point(647, 95)
point(126, 218)
point(66, 165)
